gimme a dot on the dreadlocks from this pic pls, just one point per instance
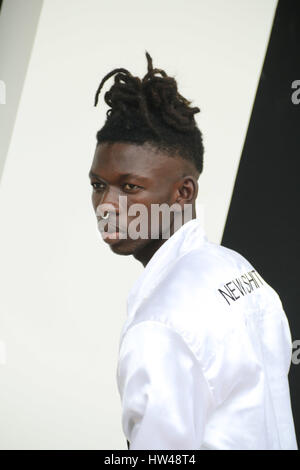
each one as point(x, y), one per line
point(151, 110)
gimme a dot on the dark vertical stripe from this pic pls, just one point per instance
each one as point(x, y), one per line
point(263, 219)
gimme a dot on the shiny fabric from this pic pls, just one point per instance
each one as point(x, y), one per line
point(204, 352)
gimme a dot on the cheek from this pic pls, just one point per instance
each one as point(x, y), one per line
point(158, 195)
point(145, 200)
point(154, 219)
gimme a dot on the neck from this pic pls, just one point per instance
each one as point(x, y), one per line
point(145, 254)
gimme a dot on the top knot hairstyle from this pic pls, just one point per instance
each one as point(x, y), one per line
point(151, 110)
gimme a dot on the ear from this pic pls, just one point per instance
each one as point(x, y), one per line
point(186, 190)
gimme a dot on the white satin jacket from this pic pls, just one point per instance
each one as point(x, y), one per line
point(204, 352)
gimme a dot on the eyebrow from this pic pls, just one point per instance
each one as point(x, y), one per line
point(91, 174)
point(122, 176)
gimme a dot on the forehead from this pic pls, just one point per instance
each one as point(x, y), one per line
point(144, 160)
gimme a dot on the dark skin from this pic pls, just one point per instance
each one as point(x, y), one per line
point(160, 178)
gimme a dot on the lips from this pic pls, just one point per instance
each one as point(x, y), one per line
point(110, 230)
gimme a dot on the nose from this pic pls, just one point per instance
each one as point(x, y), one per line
point(108, 200)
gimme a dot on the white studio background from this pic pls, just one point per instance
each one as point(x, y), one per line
point(63, 292)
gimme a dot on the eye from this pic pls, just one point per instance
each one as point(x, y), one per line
point(130, 186)
point(96, 186)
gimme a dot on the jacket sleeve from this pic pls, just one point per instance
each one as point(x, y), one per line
point(165, 397)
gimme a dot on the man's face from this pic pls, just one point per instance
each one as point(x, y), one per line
point(141, 175)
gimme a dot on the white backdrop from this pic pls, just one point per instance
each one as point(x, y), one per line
point(63, 292)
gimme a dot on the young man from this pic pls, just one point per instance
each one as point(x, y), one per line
point(206, 348)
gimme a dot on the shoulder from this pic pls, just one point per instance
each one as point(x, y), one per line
point(187, 300)
point(212, 258)
point(203, 269)
point(191, 282)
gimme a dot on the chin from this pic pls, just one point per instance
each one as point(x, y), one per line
point(128, 247)
point(121, 250)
